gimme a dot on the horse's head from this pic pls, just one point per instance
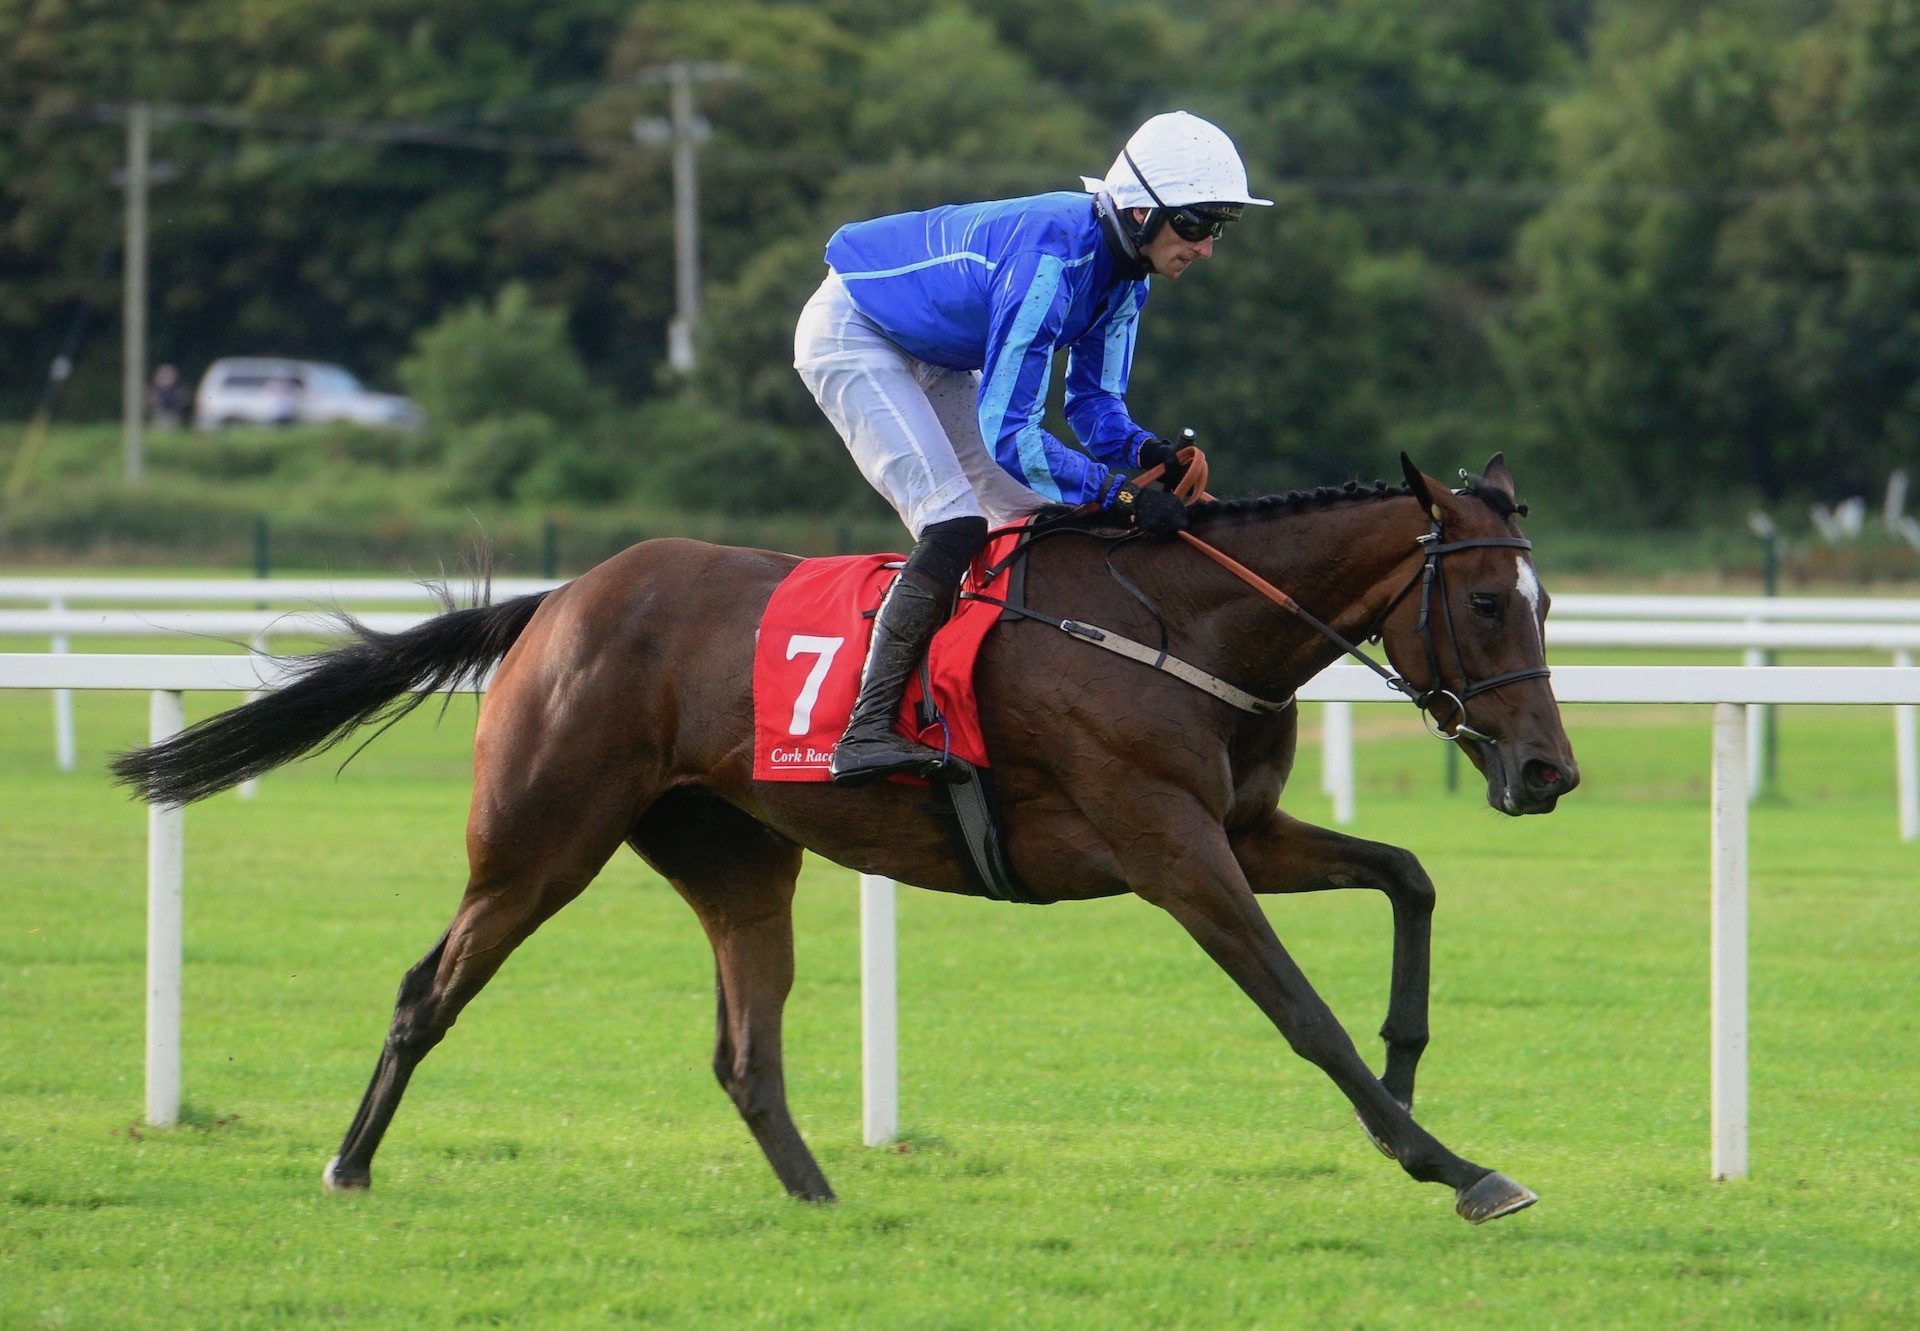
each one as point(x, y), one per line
point(1469, 634)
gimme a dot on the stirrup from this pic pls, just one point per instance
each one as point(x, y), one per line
point(903, 757)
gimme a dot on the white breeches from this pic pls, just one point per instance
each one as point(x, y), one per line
point(912, 427)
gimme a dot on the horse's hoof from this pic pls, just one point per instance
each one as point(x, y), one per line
point(1492, 1197)
point(335, 1181)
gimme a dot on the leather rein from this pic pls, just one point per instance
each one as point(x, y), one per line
point(1429, 576)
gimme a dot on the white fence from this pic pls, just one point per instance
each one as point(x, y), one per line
point(48, 592)
point(52, 592)
point(1751, 624)
point(1730, 689)
point(1760, 609)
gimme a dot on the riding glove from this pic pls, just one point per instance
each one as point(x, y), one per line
point(1155, 512)
point(1156, 452)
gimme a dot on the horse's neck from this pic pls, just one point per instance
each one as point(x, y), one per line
point(1342, 564)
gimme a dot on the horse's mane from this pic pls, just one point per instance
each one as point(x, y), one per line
point(1294, 501)
point(1498, 500)
point(1300, 501)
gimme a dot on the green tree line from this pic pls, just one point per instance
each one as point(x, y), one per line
point(1667, 257)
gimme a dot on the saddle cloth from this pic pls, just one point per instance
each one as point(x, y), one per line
point(812, 646)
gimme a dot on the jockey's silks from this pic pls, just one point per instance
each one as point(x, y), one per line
point(999, 287)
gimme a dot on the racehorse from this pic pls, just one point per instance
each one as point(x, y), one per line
point(621, 711)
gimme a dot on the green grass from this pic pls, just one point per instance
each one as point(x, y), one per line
point(1100, 1130)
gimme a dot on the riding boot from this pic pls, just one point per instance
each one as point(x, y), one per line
point(872, 747)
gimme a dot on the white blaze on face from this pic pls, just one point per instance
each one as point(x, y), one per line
point(1528, 586)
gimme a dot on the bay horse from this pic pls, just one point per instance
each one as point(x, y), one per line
point(621, 712)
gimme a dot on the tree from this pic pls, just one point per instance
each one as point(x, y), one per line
point(1825, 271)
point(1412, 117)
point(284, 228)
point(1622, 342)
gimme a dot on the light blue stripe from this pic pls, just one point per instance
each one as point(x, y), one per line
point(1033, 463)
point(1118, 352)
point(968, 255)
point(1006, 375)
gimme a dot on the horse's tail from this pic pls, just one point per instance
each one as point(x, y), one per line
point(374, 676)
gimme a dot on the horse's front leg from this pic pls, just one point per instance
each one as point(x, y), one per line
point(1282, 854)
point(1196, 879)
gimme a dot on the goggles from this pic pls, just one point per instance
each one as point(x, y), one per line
point(1202, 221)
point(1194, 222)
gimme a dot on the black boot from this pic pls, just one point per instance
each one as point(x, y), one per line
point(872, 748)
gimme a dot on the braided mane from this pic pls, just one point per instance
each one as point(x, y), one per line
point(1293, 501)
point(1297, 501)
point(1499, 501)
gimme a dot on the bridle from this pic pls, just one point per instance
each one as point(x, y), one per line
point(1433, 547)
point(1427, 577)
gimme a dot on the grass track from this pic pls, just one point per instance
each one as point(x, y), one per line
point(1101, 1130)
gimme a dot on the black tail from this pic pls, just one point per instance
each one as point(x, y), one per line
point(376, 676)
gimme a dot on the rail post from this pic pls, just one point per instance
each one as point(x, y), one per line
point(257, 649)
point(1336, 769)
point(1759, 725)
point(1729, 945)
point(166, 880)
point(879, 1039)
point(1906, 760)
point(63, 749)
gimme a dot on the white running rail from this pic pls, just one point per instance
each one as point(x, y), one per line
point(1751, 624)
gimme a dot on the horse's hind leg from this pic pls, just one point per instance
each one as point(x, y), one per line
point(739, 878)
point(484, 932)
point(525, 865)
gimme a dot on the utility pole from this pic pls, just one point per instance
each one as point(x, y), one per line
point(686, 221)
point(685, 131)
point(133, 341)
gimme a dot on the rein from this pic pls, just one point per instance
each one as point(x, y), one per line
point(1192, 486)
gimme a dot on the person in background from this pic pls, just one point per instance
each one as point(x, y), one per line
point(166, 400)
point(930, 345)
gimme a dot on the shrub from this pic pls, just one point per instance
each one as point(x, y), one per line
point(509, 359)
point(700, 457)
point(486, 459)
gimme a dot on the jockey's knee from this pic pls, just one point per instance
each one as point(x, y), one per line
point(945, 549)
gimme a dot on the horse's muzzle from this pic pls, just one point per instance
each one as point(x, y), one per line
point(1539, 784)
point(1525, 778)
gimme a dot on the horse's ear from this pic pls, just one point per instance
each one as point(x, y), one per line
point(1497, 476)
point(1418, 484)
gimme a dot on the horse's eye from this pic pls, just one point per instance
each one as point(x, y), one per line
point(1487, 604)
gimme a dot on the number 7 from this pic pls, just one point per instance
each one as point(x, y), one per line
point(803, 644)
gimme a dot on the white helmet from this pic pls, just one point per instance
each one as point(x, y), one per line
point(1179, 158)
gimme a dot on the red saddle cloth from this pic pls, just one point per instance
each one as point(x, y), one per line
point(813, 645)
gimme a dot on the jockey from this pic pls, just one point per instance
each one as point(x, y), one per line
point(930, 346)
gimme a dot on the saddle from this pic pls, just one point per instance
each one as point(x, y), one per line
point(812, 643)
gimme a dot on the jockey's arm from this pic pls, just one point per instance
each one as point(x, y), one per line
point(1029, 308)
point(1099, 364)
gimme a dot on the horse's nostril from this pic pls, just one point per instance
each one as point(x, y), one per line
point(1543, 775)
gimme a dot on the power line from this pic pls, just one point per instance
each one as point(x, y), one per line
point(421, 134)
point(413, 133)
